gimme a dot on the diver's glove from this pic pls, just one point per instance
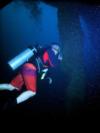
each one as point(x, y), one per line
point(49, 80)
point(44, 72)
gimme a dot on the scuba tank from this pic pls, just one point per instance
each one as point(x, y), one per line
point(22, 58)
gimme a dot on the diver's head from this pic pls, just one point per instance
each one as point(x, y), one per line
point(56, 49)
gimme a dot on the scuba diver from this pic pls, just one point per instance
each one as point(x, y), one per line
point(39, 64)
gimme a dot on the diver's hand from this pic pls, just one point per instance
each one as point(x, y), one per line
point(45, 70)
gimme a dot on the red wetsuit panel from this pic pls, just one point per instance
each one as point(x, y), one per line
point(46, 59)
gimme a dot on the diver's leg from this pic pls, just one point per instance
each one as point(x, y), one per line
point(30, 79)
point(17, 81)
